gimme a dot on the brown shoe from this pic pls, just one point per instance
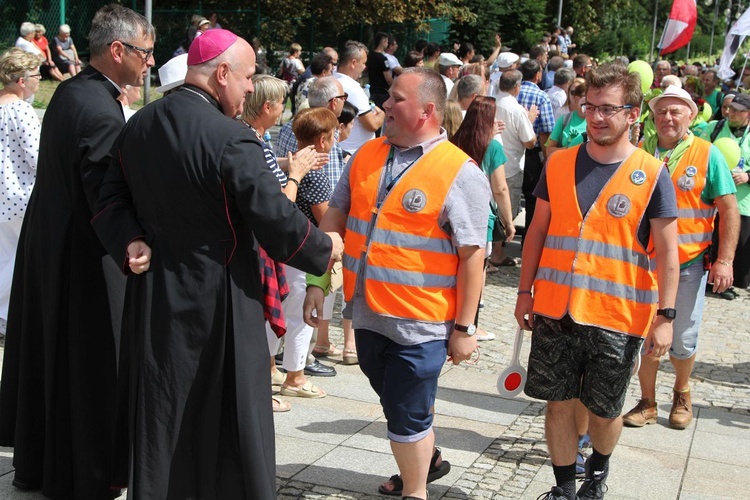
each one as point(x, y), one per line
point(682, 410)
point(644, 413)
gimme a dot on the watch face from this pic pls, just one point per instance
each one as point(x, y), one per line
point(472, 330)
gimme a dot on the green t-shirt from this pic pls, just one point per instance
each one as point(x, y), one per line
point(714, 99)
point(718, 178)
point(493, 158)
point(743, 190)
point(570, 135)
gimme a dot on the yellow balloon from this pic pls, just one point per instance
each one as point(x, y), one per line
point(706, 112)
point(645, 71)
point(730, 149)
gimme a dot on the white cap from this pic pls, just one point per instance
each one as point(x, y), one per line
point(506, 60)
point(677, 93)
point(449, 59)
point(172, 74)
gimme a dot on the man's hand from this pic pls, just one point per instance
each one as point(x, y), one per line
point(461, 346)
point(510, 231)
point(659, 337)
point(337, 249)
point(721, 276)
point(740, 177)
point(533, 113)
point(313, 303)
point(499, 126)
point(139, 256)
point(525, 311)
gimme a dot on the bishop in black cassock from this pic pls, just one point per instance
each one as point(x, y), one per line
point(192, 183)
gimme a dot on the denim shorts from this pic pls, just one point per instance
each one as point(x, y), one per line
point(405, 377)
point(568, 360)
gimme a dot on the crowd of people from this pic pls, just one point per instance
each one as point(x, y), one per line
point(157, 263)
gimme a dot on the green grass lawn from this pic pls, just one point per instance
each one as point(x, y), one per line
point(48, 87)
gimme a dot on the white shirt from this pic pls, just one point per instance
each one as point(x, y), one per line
point(28, 46)
point(518, 129)
point(557, 97)
point(359, 100)
point(392, 61)
point(448, 84)
point(19, 150)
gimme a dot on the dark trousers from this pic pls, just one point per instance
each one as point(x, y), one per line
point(532, 170)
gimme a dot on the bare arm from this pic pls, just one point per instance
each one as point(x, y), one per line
point(501, 195)
point(388, 77)
point(721, 274)
point(532, 253)
point(495, 51)
point(664, 236)
point(373, 120)
point(551, 146)
point(319, 211)
point(469, 283)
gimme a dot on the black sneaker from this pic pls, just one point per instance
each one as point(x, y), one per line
point(595, 484)
point(556, 493)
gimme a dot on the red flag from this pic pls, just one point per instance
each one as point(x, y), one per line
point(680, 26)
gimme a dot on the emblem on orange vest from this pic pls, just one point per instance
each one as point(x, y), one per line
point(414, 200)
point(638, 177)
point(686, 183)
point(691, 171)
point(619, 205)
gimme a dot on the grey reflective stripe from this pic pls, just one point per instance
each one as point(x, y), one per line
point(696, 213)
point(694, 238)
point(350, 263)
point(357, 225)
point(600, 249)
point(411, 241)
point(410, 278)
point(597, 285)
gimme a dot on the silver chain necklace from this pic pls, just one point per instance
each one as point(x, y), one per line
point(198, 94)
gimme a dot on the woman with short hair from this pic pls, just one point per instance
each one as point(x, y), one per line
point(19, 150)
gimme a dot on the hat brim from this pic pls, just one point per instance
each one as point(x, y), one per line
point(689, 103)
point(170, 86)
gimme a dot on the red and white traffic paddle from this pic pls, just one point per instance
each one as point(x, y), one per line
point(511, 381)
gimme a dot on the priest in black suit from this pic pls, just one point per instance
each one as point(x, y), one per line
point(58, 382)
point(183, 210)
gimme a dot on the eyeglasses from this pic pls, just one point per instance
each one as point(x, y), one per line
point(147, 53)
point(343, 97)
point(35, 75)
point(606, 110)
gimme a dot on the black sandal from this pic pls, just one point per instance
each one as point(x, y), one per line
point(435, 473)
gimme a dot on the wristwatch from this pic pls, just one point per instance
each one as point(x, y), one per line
point(667, 312)
point(468, 330)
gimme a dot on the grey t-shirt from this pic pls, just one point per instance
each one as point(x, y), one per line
point(591, 177)
point(464, 217)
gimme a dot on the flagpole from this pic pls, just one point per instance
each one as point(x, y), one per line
point(713, 28)
point(742, 72)
point(653, 34)
point(687, 56)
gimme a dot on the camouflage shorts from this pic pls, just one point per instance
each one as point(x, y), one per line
point(569, 360)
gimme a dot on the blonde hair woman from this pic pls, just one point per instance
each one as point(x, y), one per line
point(19, 74)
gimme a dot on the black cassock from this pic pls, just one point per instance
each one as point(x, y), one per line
point(57, 395)
point(194, 184)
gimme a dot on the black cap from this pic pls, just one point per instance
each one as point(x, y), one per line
point(741, 102)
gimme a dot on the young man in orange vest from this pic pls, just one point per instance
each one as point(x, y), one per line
point(589, 287)
point(703, 184)
point(413, 210)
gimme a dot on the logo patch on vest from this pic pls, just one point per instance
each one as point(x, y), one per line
point(414, 200)
point(638, 177)
point(619, 205)
point(686, 183)
point(691, 171)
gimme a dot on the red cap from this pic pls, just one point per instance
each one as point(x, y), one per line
point(209, 45)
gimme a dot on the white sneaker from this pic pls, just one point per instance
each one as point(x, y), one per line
point(485, 336)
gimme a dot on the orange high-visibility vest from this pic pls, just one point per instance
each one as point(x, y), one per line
point(695, 223)
point(595, 268)
point(410, 263)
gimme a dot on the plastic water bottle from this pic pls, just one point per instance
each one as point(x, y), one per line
point(267, 138)
point(367, 91)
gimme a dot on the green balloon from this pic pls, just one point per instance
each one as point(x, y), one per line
point(706, 112)
point(645, 71)
point(730, 149)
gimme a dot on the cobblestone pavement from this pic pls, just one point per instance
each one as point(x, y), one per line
point(509, 465)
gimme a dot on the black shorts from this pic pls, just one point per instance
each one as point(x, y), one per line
point(569, 360)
